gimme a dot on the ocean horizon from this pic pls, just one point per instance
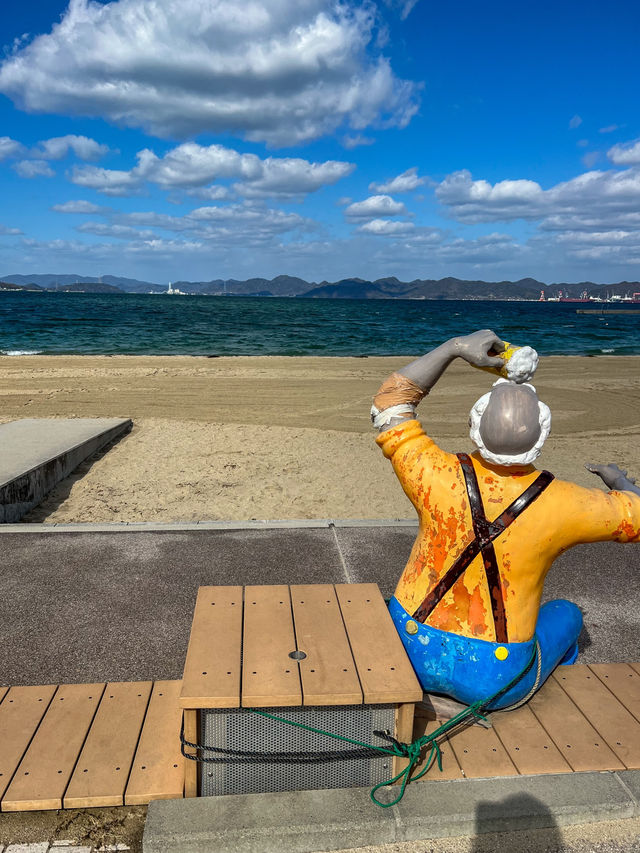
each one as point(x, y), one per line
point(146, 324)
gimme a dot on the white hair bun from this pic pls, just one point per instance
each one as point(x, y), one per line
point(522, 365)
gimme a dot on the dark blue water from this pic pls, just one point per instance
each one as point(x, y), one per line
point(55, 323)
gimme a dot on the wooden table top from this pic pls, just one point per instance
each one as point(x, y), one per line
point(305, 644)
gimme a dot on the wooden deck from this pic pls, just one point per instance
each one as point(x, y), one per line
point(84, 745)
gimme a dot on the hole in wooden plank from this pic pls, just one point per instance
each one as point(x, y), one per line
point(117, 768)
point(144, 767)
point(204, 673)
point(175, 765)
point(297, 655)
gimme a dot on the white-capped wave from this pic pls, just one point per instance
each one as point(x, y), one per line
point(20, 351)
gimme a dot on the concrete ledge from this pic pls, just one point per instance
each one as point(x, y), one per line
point(309, 821)
point(176, 526)
point(35, 454)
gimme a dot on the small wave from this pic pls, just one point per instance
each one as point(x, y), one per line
point(20, 351)
point(607, 350)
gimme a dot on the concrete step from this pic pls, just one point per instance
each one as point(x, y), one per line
point(36, 453)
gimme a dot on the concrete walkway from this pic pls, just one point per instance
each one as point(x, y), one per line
point(37, 453)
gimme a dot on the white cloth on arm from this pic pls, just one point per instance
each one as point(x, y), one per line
point(383, 418)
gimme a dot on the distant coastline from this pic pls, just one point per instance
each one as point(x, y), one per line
point(527, 289)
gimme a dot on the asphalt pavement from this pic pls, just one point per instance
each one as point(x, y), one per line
point(86, 603)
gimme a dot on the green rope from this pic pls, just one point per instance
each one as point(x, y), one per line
point(412, 751)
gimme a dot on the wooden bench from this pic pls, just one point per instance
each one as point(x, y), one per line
point(308, 646)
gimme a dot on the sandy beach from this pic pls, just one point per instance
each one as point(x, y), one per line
point(280, 438)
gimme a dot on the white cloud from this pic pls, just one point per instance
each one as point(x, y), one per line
point(191, 167)
point(59, 146)
point(33, 169)
point(404, 183)
point(625, 153)
point(290, 176)
point(78, 206)
point(599, 193)
point(576, 121)
point(10, 148)
point(351, 141)
point(609, 128)
point(590, 159)
point(112, 182)
point(404, 7)
point(6, 231)
point(123, 232)
point(385, 227)
point(375, 206)
point(280, 71)
point(213, 193)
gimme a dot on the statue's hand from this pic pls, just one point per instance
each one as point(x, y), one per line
point(612, 476)
point(478, 348)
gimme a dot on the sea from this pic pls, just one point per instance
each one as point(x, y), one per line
point(161, 324)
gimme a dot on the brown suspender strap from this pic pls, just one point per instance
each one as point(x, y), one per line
point(485, 532)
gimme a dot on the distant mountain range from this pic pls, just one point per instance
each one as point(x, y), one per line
point(348, 288)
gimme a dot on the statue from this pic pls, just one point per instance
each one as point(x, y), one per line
point(467, 605)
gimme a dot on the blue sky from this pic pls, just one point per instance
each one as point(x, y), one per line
point(202, 139)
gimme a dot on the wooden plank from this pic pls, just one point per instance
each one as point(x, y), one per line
point(158, 767)
point(20, 715)
point(403, 733)
point(328, 673)
point(623, 681)
point(529, 746)
point(213, 663)
point(3, 693)
point(191, 767)
point(450, 767)
point(269, 676)
point(480, 753)
point(383, 666)
point(103, 767)
point(635, 666)
point(580, 744)
point(45, 770)
point(610, 718)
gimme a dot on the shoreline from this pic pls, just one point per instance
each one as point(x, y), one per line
point(283, 437)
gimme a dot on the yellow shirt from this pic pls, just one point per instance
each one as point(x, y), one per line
point(563, 515)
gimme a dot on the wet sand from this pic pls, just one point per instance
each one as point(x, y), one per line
point(280, 438)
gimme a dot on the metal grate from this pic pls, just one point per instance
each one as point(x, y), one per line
point(240, 729)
